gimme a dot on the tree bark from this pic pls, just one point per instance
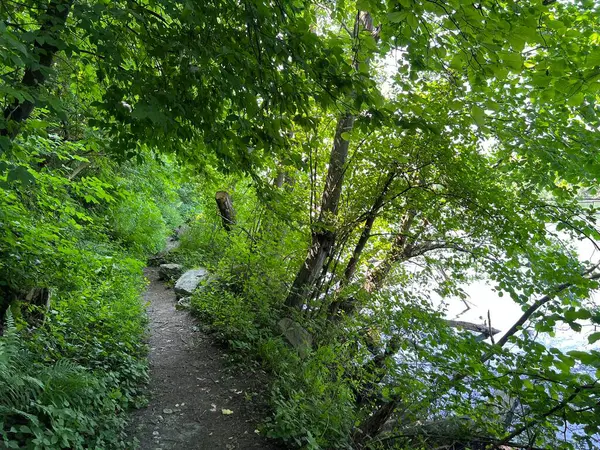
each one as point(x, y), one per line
point(279, 179)
point(366, 232)
point(373, 424)
point(36, 73)
point(399, 251)
point(226, 209)
point(485, 330)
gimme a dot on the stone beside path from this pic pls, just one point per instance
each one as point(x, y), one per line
point(189, 281)
point(197, 401)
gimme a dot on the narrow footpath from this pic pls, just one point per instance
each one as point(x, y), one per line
point(197, 401)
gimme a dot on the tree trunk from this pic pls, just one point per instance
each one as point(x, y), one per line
point(401, 250)
point(373, 424)
point(283, 178)
point(398, 252)
point(366, 232)
point(226, 210)
point(323, 236)
point(36, 73)
point(279, 178)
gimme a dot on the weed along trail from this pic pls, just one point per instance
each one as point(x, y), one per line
point(196, 401)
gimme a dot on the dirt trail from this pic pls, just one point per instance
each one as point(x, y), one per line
point(196, 400)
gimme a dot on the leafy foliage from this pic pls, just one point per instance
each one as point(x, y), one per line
point(412, 146)
point(75, 362)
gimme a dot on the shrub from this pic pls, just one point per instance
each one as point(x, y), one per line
point(312, 403)
point(139, 224)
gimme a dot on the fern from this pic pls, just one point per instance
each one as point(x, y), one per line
point(16, 387)
point(9, 344)
point(64, 380)
point(37, 399)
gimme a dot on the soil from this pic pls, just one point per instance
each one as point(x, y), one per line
point(197, 399)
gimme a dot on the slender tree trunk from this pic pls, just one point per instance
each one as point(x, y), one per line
point(279, 178)
point(399, 251)
point(373, 424)
point(366, 232)
point(362, 242)
point(323, 235)
point(35, 74)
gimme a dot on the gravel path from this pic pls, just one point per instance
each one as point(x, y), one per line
point(197, 401)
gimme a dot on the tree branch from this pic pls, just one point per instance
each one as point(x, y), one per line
point(537, 420)
point(535, 306)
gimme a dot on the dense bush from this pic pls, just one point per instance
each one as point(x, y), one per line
point(139, 224)
point(312, 404)
point(56, 405)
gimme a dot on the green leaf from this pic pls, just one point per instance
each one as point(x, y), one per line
point(512, 60)
point(594, 337)
point(575, 314)
point(412, 20)
point(20, 174)
point(593, 59)
point(548, 95)
point(585, 357)
point(576, 99)
point(575, 327)
point(396, 17)
point(457, 62)
point(478, 115)
point(364, 5)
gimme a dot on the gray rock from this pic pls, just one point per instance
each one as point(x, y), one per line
point(169, 271)
point(296, 335)
point(163, 256)
point(189, 281)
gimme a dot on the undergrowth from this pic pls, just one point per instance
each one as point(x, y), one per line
point(74, 362)
point(59, 404)
point(311, 403)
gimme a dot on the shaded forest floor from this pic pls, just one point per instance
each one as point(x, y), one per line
point(197, 399)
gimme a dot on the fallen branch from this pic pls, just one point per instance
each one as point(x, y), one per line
point(486, 330)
